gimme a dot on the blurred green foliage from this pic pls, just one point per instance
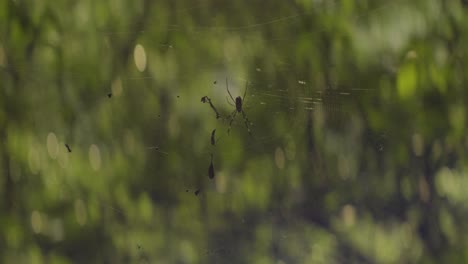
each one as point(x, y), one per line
point(358, 117)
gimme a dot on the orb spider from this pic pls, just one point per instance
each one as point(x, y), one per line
point(238, 103)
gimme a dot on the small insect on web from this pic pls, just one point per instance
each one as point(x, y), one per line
point(238, 103)
point(213, 139)
point(68, 148)
point(206, 99)
point(158, 150)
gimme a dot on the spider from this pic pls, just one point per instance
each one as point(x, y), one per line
point(238, 102)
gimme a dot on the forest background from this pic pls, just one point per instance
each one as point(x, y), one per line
point(351, 147)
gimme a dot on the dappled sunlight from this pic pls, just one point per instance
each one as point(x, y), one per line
point(387, 243)
point(383, 32)
point(451, 184)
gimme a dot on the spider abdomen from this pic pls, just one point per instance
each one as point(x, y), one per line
point(239, 104)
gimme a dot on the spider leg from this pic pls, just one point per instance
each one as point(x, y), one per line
point(246, 120)
point(232, 115)
point(229, 102)
point(245, 91)
point(205, 99)
point(227, 88)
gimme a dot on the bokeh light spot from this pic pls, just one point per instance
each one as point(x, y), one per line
point(221, 182)
point(52, 145)
point(348, 214)
point(116, 87)
point(36, 222)
point(95, 157)
point(139, 55)
point(63, 155)
point(56, 230)
point(279, 158)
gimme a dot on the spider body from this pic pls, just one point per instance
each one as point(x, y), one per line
point(239, 104)
point(239, 101)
